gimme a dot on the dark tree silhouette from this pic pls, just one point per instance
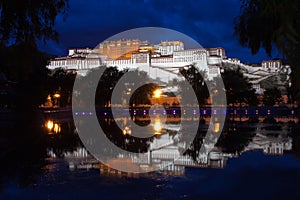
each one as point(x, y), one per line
point(272, 96)
point(234, 142)
point(264, 23)
point(142, 94)
point(106, 85)
point(23, 24)
point(238, 89)
point(26, 21)
point(272, 23)
point(196, 79)
point(62, 82)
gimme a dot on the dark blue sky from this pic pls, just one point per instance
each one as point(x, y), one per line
point(210, 23)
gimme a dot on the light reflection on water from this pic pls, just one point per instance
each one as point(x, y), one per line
point(248, 138)
point(157, 127)
point(255, 152)
point(53, 128)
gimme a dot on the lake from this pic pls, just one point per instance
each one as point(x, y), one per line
point(249, 160)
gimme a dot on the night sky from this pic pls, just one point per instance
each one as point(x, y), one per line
point(210, 23)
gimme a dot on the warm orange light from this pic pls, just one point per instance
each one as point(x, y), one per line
point(56, 128)
point(216, 127)
point(56, 95)
point(52, 127)
point(126, 131)
point(157, 93)
point(49, 125)
point(157, 126)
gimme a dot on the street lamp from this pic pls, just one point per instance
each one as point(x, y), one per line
point(56, 97)
point(157, 93)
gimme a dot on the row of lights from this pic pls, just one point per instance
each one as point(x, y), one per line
point(204, 112)
point(85, 113)
point(174, 112)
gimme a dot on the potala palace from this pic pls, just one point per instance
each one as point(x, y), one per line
point(164, 60)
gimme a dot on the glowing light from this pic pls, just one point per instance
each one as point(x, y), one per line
point(52, 127)
point(126, 131)
point(56, 95)
point(49, 125)
point(157, 93)
point(216, 127)
point(56, 128)
point(157, 126)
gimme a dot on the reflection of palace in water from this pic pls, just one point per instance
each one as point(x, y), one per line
point(164, 153)
point(270, 145)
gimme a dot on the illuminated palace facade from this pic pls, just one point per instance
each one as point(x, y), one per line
point(161, 61)
point(164, 60)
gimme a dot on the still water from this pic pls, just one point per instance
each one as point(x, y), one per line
point(249, 160)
